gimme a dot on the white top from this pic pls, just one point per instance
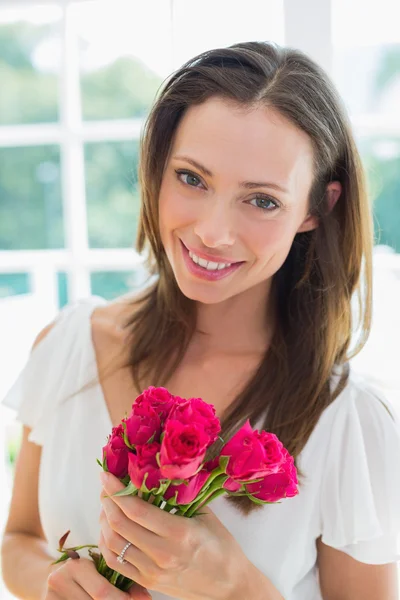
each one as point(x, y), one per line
point(351, 496)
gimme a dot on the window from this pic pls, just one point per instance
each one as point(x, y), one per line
point(77, 81)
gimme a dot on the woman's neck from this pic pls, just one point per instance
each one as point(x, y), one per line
point(242, 324)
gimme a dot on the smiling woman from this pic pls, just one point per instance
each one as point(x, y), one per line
point(257, 226)
point(227, 218)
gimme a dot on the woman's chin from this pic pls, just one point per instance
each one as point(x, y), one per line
point(205, 296)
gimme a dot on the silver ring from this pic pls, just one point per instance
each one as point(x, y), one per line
point(120, 557)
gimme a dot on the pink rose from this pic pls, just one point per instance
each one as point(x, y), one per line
point(160, 400)
point(142, 424)
point(274, 450)
point(115, 452)
point(212, 464)
point(253, 454)
point(182, 449)
point(279, 485)
point(145, 462)
point(195, 410)
point(188, 493)
point(231, 485)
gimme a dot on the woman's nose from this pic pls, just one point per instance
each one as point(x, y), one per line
point(215, 227)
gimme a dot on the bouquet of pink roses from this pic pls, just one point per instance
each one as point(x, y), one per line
point(159, 453)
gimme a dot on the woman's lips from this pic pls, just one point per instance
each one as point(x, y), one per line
point(210, 257)
point(202, 272)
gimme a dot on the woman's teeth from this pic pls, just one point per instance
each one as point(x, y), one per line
point(207, 264)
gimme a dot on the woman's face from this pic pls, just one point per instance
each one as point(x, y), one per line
point(234, 192)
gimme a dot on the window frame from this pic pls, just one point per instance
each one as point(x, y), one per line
point(307, 25)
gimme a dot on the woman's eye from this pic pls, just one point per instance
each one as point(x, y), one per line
point(191, 180)
point(263, 202)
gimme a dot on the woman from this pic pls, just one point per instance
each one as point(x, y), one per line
point(257, 223)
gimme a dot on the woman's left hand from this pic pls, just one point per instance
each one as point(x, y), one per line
point(189, 559)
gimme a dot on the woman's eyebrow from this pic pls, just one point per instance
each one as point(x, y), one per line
point(246, 184)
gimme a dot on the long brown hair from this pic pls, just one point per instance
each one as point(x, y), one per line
point(313, 288)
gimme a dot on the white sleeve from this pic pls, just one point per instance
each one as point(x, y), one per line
point(360, 493)
point(44, 380)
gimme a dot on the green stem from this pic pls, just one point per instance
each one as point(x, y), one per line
point(214, 474)
point(114, 578)
point(79, 547)
point(102, 565)
point(205, 498)
point(157, 500)
point(203, 492)
point(213, 496)
point(169, 507)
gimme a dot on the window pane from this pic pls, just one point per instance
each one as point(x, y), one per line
point(112, 193)
point(373, 50)
point(12, 284)
point(30, 198)
point(62, 283)
point(110, 284)
point(123, 65)
point(29, 64)
point(222, 23)
point(381, 157)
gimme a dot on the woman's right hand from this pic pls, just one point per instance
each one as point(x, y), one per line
point(78, 579)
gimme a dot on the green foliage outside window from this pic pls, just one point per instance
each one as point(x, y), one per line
point(31, 215)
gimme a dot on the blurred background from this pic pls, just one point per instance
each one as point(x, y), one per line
point(77, 79)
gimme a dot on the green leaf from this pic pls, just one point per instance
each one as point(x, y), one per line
point(162, 488)
point(173, 501)
point(126, 439)
point(105, 467)
point(258, 501)
point(61, 559)
point(62, 540)
point(125, 480)
point(247, 481)
point(151, 439)
point(130, 490)
point(223, 462)
point(99, 463)
point(143, 488)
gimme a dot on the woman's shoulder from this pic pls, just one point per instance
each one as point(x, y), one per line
point(360, 488)
point(363, 397)
point(109, 318)
point(358, 416)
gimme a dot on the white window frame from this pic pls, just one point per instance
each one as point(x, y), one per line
point(307, 26)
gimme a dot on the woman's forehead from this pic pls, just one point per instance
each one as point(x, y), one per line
point(256, 146)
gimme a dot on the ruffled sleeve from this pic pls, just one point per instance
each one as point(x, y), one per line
point(360, 492)
point(47, 377)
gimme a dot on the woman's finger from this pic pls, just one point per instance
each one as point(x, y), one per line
point(138, 592)
point(156, 548)
point(94, 584)
point(61, 586)
point(143, 513)
point(115, 542)
point(126, 569)
point(51, 595)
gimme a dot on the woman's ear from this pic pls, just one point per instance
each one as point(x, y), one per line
point(333, 191)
